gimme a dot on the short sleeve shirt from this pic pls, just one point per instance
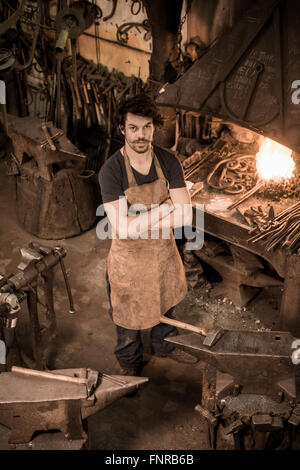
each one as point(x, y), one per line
point(113, 177)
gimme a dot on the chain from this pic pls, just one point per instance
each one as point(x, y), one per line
point(183, 19)
point(179, 36)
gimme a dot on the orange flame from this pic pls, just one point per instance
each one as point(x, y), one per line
point(274, 161)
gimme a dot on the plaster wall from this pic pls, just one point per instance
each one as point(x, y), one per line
point(131, 58)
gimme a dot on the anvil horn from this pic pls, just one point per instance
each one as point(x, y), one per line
point(111, 389)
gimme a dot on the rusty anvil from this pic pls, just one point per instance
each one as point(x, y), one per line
point(32, 400)
point(257, 361)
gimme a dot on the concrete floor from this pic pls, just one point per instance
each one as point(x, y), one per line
point(161, 415)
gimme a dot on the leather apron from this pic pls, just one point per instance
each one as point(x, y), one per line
point(147, 276)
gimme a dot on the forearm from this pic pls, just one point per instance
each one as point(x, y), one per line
point(135, 225)
point(181, 216)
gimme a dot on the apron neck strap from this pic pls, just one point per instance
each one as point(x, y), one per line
point(130, 175)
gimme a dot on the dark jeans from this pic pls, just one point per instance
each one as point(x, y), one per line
point(129, 348)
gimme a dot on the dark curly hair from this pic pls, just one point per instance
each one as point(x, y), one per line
point(141, 105)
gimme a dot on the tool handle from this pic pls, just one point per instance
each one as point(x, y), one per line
point(48, 137)
point(68, 288)
point(184, 326)
point(48, 375)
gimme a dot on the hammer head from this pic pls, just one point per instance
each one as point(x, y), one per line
point(213, 336)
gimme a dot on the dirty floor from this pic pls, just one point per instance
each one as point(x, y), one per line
point(161, 415)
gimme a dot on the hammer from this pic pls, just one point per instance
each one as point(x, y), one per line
point(47, 135)
point(211, 336)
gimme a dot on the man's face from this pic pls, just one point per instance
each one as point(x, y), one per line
point(138, 132)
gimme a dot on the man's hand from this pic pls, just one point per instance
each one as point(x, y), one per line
point(175, 211)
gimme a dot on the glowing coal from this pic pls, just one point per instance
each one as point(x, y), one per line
point(274, 161)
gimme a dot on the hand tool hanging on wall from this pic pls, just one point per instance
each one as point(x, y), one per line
point(37, 21)
point(70, 22)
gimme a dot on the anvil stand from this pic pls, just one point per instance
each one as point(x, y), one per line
point(250, 394)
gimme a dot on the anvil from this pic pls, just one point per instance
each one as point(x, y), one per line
point(31, 403)
point(258, 361)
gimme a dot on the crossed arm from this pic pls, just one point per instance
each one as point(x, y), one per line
point(174, 212)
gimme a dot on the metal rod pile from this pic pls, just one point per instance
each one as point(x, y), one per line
point(283, 231)
point(195, 162)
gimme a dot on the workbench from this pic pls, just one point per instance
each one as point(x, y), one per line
point(228, 225)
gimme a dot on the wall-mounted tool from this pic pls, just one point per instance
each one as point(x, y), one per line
point(70, 23)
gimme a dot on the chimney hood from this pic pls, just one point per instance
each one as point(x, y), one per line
point(250, 76)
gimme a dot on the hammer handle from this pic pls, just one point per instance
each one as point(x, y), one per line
point(48, 375)
point(48, 137)
point(184, 326)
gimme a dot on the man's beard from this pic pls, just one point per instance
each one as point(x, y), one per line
point(136, 146)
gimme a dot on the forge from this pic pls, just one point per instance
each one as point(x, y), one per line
point(236, 99)
point(244, 82)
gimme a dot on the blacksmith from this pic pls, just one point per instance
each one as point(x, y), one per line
point(145, 273)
